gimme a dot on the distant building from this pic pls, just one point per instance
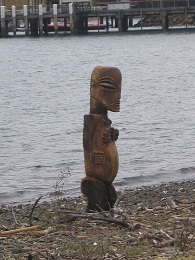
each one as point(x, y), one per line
point(20, 3)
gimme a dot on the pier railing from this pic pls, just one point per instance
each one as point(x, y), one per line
point(46, 9)
point(86, 6)
point(135, 4)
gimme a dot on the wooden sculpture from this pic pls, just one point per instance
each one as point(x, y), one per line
point(100, 152)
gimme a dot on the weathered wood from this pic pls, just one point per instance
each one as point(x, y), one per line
point(100, 218)
point(13, 231)
point(100, 152)
point(2, 22)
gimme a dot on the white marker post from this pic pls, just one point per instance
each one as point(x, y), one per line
point(71, 17)
point(70, 8)
point(55, 17)
point(40, 19)
point(14, 19)
point(25, 13)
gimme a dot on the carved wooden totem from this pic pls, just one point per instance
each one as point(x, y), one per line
point(100, 152)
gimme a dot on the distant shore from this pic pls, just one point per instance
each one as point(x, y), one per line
point(153, 222)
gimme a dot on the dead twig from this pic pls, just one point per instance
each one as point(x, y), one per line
point(165, 234)
point(14, 215)
point(30, 217)
point(102, 211)
point(105, 219)
point(171, 204)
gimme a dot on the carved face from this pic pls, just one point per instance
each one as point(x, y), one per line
point(106, 87)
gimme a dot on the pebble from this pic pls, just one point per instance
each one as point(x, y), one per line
point(149, 200)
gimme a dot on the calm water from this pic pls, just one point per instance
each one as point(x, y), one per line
point(44, 93)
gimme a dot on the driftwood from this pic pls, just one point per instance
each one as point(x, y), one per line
point(185, 218)
point(165, 234)
point(18, 230)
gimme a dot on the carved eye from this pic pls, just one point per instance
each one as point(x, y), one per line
point(108, 83)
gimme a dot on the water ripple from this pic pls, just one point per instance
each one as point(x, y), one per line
point(45, 93)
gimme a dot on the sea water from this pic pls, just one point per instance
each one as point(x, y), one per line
point(44, 94)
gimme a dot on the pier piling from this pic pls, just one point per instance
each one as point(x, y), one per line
point(107, 23)
point(130, 21)
point(34, 27)
point(165, 21)
point(86, 24)
point(141, 15)
point(75, 26)
point(25, 13)
point(14, 20)
point(46, 21)
point(3, 25)
point(55, 18)
point(186, 17)
point(40, 20)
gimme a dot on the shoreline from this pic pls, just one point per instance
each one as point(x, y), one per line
point(159, 223)
point(69, 194)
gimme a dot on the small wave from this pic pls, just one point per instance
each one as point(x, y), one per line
point(40, 166)
point(4, 129)
point(186, 170)
point(72, 192)
point(138, 180)
point(63, 164)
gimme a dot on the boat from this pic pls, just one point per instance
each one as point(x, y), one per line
point(63, 27)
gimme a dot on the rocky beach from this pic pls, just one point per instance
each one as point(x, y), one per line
point(155, 222)
point(176, 20)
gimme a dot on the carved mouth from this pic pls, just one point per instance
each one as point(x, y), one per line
point(116, 105)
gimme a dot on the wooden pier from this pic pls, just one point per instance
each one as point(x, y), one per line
point(75, 17)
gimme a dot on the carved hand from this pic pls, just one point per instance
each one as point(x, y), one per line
point(114, 133)
point(106, 138)
point(110, 135)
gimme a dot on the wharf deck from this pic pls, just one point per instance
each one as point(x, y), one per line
point(77, 15)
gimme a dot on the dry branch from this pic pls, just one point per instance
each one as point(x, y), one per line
point(13, 231)
point(98, 218)
point(14, 215)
